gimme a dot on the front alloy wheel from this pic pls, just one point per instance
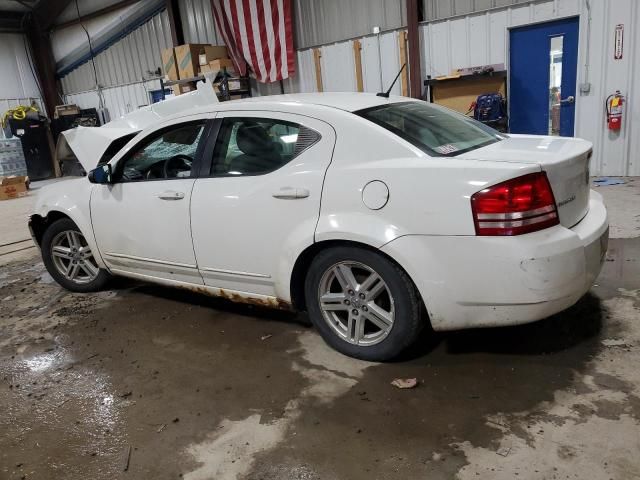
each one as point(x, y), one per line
point(69, 259)
point(72, 257)
point(362, 303)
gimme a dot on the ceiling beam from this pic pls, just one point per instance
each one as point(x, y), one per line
point(94, 14)
point(11, 22)
point(48, 11)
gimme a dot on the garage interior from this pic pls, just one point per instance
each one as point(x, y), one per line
point(142, 381)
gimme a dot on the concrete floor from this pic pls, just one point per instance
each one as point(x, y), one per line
point(146, 382)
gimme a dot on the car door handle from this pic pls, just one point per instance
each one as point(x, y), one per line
point(171, 195)
point(289, 193)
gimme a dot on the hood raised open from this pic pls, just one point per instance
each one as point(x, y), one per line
point(88, 144)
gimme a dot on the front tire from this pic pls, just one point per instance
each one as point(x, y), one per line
point(69, 260)
point(362, 303)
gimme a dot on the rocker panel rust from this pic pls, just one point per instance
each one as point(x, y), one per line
point(238, 297)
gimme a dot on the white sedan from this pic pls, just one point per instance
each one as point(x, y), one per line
point(376, 215)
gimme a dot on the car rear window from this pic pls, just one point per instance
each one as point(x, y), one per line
point(436, 130)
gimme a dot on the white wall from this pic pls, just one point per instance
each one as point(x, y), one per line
point(17, 85)
point(482, 38)
point(16, 79)
point(460, 41)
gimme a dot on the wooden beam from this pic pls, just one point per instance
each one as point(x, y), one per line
point(175, 22)
point(357, 60)
point(44, 65)
point(415, 72)
point(402, 41)
point(317, 53)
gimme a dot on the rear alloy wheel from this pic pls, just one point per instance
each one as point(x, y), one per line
point(69, 259)
point(362, 303)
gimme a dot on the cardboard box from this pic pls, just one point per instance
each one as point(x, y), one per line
point(187, 59)
point(13, 187)
point(169, 64)
point(217, 65)
point(184, 88)
point(208, 53)
point(68, 109)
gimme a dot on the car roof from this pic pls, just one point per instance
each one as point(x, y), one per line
point(347, 101)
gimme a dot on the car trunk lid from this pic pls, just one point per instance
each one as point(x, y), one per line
point(565, 161)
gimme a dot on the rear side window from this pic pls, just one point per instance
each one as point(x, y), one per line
point(436, 130)
point(255, 146)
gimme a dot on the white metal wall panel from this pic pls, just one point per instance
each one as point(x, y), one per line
point(338, 68)
point(482, 38)
point(16, 78)
point(305, 79)
point(118, 100)
point(370, 65)
point(131, 59)
point(321, 22)
point(198, 24)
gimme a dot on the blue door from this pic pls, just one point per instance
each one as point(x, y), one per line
point(543, 67)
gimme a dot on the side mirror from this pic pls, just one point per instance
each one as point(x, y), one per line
point(100, 174)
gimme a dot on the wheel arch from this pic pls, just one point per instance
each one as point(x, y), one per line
point(39, 223)
point(303, 262)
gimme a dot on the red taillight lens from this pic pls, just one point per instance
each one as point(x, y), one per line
point(521, 205)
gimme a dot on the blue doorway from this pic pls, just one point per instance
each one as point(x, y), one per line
point(543, 63)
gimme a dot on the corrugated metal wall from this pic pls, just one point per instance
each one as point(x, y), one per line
point(118, 100)
point(441, 9)
point(459, 40)
point(130, 60)
point(327, 21)
point(198, 24)
point(320, 22)
point(17, 85)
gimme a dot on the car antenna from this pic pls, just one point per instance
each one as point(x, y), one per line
point(386, 94)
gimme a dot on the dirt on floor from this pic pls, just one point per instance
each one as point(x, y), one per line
point(146, 382)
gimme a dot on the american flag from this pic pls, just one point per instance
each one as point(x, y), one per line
point(258, 35)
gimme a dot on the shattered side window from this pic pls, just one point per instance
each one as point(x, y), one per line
point(167, 154)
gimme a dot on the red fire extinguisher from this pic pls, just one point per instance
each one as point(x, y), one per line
point(613, 105)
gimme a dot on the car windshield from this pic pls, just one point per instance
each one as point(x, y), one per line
point(436, 130)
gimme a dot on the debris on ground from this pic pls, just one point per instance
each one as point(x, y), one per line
point(161, 427)
point(266, 337)
point(614, 342)
point(504, 451)
point(405, 383)
point(608, 181)
point(127, 459)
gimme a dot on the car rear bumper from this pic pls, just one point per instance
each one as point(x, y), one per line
point(469, 281)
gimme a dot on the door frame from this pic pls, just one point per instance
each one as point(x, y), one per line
point(207, 119)
point(577, 16)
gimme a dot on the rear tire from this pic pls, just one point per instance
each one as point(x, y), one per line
point(69, 259)
point(362, 303)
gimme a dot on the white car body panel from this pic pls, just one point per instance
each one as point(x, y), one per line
point(260, 232)
point(243, 244)
point(70, 198)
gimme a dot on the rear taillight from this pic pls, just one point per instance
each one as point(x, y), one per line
point(521, 205)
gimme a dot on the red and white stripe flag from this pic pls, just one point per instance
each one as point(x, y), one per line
point(258, 35)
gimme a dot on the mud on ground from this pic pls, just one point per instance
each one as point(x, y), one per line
point(146, 382)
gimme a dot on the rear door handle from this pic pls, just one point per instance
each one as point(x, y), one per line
point(171, 195)
point(290, 193)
